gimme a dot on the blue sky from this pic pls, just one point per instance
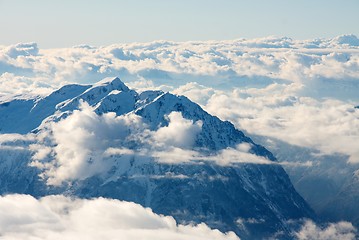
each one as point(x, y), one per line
point(66, 23)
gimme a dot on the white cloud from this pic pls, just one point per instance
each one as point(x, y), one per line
point(174, 155)
point(22, 50)
point(11, 138)
point(333, 231)
point(180, 132)
point(12, 85)
point(11, 144)
point(240, 154)
point(226, 157)
point(196, 92)
point(60, 217)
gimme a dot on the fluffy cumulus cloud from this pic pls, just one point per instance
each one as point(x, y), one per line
point(333, 231)
point(60, 217)
point(180, 132)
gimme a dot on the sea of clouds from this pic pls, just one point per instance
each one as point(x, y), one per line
point(303, 92)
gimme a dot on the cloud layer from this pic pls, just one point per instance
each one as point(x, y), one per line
point(60, 217)
point(239, 62)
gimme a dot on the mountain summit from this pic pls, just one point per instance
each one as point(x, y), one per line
point(130, 150)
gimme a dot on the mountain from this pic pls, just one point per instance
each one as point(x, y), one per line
point(254, 200)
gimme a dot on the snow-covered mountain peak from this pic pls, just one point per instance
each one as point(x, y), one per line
point(94, 94)
point(112, 83)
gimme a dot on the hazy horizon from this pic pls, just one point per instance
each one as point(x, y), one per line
point(59, 24)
